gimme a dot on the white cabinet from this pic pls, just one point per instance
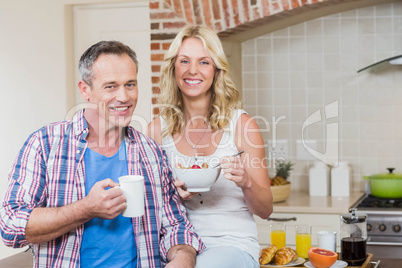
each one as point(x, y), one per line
point(318, 222)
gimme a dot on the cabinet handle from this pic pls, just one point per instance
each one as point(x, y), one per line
point(282, 219)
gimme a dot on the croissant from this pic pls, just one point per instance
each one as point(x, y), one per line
point(267, 254)
point(285, 255)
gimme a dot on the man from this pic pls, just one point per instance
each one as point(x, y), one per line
point(61, 196)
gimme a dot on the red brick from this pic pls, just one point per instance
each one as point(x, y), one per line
point(246, 10)
point(276, 8)
point(265, 8)
point(197, 13)
point(156, 57)
point(295, 4)
point(163, 15)
point(218, 27)
point(177, 8)
point(188, 11)
point(155, 46)
point(226, 12)
point(285, 5)
point(174, 25)
point(256, 13)
point(207, 14)
point(166, 46)
point(216, 10)
point(155, 79)
point(154, 100)
point(155, 26)
point(153, 5)
point(235, 11)
point(156, 90)
point(155, 111)
point(156, 68)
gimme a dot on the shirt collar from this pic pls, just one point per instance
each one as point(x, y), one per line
point(80, 126)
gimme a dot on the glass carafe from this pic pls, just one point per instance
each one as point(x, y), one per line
point(353, 237)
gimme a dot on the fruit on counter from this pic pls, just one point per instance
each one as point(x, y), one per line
point(283, 169)
point(322, 258)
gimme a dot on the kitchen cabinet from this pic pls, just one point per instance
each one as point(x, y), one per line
point(322, 213)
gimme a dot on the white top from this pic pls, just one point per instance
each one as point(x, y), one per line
point(220, 216)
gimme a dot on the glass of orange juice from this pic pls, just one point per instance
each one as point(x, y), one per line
point(278, 234)
point(303, 239)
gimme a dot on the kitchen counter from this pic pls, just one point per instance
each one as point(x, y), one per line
point(301, 202)
point(24, 260)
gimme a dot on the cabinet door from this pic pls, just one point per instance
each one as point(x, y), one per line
point(318, 222)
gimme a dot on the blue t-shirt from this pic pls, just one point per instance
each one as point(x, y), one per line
point(107, 243)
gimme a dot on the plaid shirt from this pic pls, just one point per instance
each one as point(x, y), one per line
point(49, 172)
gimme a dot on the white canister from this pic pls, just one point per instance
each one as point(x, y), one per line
point(319, 179)
point(340, 179)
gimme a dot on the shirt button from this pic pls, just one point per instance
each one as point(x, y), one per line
point(78, 151)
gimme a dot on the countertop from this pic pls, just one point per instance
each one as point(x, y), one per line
point(24, 260)
point(301, 202)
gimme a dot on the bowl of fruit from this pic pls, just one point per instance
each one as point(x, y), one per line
point(280, 186)
point(197, 178)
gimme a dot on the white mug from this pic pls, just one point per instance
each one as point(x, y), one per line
point(327, 240)
point(133, 189)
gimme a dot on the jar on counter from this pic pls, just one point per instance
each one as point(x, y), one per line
point(340, 179)
point(319, 179)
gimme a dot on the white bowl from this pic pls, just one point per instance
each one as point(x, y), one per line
point(197, 180)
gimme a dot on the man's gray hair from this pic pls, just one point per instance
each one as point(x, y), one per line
point(103, 47)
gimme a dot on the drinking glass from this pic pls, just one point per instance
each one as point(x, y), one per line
point(278, 234)
point(303, 239)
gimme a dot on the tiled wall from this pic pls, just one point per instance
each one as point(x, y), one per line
point(226, 17)
point(299, 70)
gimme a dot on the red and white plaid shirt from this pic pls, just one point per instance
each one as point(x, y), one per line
point(49, 172)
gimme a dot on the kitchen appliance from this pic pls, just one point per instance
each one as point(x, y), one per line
point(384, 222)
point(353, 237)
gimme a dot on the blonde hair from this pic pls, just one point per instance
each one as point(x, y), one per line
point(224, 98)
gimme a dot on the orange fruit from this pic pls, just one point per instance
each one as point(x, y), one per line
point(322, 258)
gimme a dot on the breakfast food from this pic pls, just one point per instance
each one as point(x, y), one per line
point(203, 166)
point(267, 254)
point(322, 258)
point(285, 255)
point(281, 256)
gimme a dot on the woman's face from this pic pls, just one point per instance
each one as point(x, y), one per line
point(194, 69)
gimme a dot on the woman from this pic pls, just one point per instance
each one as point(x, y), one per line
point(200, 123)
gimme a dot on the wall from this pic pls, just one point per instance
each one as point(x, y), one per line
point(234, 21)
point(298, 70)
point(36, 73)
point(32, 75)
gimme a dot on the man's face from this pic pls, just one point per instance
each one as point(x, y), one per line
point(114, 90)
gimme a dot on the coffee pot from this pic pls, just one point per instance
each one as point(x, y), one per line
point(353, 237)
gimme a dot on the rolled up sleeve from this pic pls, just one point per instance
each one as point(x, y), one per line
point(25, 191)
point(176, 228)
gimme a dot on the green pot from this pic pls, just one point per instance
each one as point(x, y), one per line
point(386, 185)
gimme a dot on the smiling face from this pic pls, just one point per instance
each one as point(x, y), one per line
point(113, 93)
point(194, 69)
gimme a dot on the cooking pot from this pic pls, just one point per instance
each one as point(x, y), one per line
point(386, 185)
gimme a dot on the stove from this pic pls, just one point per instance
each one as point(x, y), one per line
point(384, 225)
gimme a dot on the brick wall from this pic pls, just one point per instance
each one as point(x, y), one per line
point(226, 17)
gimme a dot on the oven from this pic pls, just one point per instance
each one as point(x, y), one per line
point(384, 225)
